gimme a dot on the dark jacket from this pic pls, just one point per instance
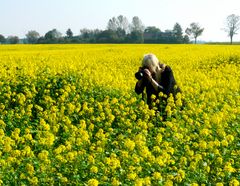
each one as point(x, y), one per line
point(167, 81)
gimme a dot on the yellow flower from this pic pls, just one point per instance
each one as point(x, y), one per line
point(43, 155)
point(27, 151)
point(168, 183)
point(159, 161)
point(219, 160)
point(157, 176)
point(230, 138)
point(228, 167)
point(30, 169)
point(23, 176)
point(73, 102)
point(71, 156)
point(2, 124)
point(224, 143)
point(92, 182)
point(129, 144)
point(7, 148)
point(183, 161)
point(21, 98)
point(203, 144)
point(115, 182)
point(234, 182)
point(132, 176)
point(64, 179)
point(94, 169)
point(91, 159)
point(205, 132)
point(34, 180)
point(138, 182)
point(147, 181)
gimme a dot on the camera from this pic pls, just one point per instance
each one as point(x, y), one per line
point(140, 74)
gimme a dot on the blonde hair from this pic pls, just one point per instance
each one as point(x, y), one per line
point(150, 60)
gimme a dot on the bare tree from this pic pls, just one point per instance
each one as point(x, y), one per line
point(232, 25)
point(137, 24)
point(32, 36)
point(119, 23)
point(194, 31)
point(123, 23)
point(112, 24)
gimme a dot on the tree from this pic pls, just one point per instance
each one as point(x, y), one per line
point(152, 29)
point(137, 29)
point(107, 36)
point(121, 34)
point(136, 37)
point(120, 26)
point(136, 25)
point(89, 36)
point(167, 37)
point(69, 33)
point(85, 33)
point(151, 34)
point(119, 23)
point(233, 25)
point(186, 39)
point(177, 32)
point(2, 39)
point(122, 23)
point(194, 31)
point(52, 36)
point(12, 39)
point(112, 24)
point(41, 40)
point(32, 36)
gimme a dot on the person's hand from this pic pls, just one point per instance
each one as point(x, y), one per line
point(147, 74)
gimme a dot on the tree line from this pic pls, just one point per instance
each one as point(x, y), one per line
point(119, 30)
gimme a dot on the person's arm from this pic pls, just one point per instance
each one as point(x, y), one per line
point(153, 82)
point(155, 85)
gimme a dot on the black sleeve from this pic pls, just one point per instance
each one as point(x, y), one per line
point(168, 80)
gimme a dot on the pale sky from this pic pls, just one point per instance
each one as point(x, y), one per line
point(20, 16)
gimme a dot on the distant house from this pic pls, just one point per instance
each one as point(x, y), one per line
point(167, 37)
point(150, 37)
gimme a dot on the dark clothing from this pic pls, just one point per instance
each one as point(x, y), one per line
point(168, 83)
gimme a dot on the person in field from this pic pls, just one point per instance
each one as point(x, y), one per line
point(156, 77)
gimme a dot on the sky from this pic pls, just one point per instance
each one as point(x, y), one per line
point(20, 16)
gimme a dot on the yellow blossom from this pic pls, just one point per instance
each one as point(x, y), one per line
point(94, 169)
point(92, 182)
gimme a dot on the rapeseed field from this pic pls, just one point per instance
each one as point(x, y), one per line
point(69, 116)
